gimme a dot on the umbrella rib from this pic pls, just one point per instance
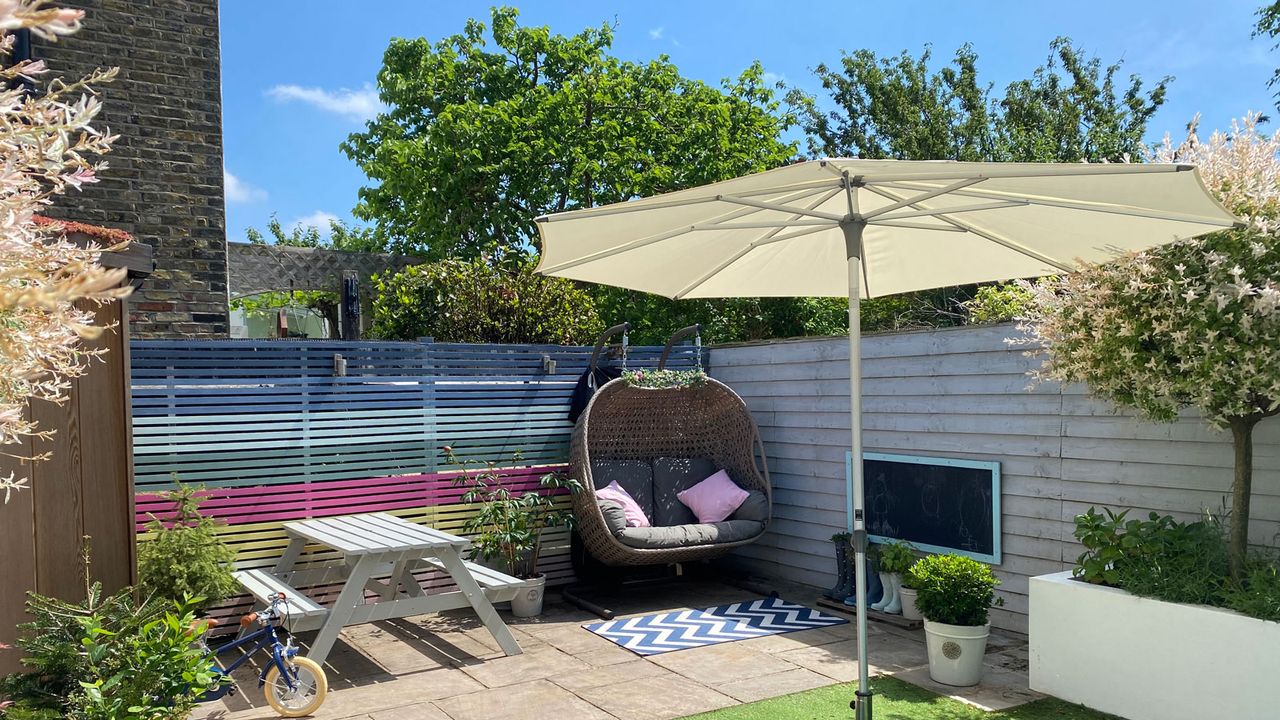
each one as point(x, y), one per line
point(1086, 205)
point(930, 193)
point(958, 209)
point(766, 239)
point(807, 212)
point(918, 226)
point(643, 204)
point(762, 224)
point(1058, 170)
point(659, 237)
point(988, 235)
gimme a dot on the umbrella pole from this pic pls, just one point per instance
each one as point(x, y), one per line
point(853, 246)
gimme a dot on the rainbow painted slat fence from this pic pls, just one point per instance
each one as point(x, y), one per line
point(276, 433)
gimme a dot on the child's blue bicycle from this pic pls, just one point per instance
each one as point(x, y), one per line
point(294, 686)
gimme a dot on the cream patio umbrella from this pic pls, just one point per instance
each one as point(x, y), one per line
point(867, 228)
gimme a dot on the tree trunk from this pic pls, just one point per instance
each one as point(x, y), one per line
point(1241, 488)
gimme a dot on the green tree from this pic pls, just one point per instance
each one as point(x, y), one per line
point(1189, 324)
point(1268, 25)
point(479, 301)
point(490, 128)
point(1071, 108)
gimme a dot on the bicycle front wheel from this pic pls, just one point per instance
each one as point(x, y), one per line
point(307, 694)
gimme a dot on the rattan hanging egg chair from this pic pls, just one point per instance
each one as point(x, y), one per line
point(669, 438)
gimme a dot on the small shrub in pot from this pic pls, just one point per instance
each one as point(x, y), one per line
point(955, 595)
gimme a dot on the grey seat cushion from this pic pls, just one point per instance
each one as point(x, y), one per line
point(634, 476)
point(672, 476)
point(755, 507)
point(615, 519)
point(679, 536)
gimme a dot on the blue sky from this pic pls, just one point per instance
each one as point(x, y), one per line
point(297, 75)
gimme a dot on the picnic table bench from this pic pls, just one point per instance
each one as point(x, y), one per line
point(375, 546)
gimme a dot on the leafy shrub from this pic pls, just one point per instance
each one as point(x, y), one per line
point(482, 302)
point(1177, 562)
point(953, 589)
point(998, 303)
point(186, 557)
point(1158, 557)
point(108, 658)
point(508, 527)
point(657, 379)
point(896, 557)
point(1258, 595)
point(1104, 545)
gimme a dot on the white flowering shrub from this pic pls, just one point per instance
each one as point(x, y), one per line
point(47, 145)
point(1191, 324)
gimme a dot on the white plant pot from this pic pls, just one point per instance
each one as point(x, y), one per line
point(528, 602)
point(1147, 659)
point(909, 611)
point(956, 652)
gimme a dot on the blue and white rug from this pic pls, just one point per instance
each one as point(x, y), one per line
point(683, 629)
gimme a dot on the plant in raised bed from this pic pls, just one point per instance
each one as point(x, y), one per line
point(664, 379)
point(955, 594)
point(507, 526)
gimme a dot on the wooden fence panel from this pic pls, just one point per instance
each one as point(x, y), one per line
point(82, 489)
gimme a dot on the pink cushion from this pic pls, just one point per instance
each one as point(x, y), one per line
point(614, 493)
point(714, 499)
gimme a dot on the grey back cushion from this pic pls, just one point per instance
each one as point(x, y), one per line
point(672, 476)
point(634, 476)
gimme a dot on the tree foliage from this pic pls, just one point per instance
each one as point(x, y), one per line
point(492, 127)
point(1071, 108)
point(48, 142)
point(1190, 324)
point(1268, 25)
point(482, 302)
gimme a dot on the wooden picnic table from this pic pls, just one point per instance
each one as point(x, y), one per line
point(376, 546)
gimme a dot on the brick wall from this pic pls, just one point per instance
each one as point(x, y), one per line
point(164, 183)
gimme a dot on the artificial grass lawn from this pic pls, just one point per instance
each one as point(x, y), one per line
point(894, 700)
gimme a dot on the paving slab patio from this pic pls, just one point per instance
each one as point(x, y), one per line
point(447, 667)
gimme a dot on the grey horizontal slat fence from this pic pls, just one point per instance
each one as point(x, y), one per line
point(963, 392)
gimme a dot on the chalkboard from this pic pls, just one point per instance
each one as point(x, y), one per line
point(936, 504)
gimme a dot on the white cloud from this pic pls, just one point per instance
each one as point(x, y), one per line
point(239, 191)
point(319, 220)
point(656, 33)
point(359, 104)
point(772, 79)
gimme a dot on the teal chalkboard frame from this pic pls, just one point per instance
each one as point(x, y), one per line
point(994, 558)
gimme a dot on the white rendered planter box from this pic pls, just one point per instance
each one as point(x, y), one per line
point(1146, 659)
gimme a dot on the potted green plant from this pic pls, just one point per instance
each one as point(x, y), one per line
point(907, 594)
point(507, 527)
point(955, 594)
point(895, 559)
point(183, 555)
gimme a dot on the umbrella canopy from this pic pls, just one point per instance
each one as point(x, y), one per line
point(928, 224)
point(865, 228)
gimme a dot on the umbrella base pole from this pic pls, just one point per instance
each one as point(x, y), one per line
point(861, 705)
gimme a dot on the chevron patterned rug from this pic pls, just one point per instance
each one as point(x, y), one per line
point(683, 629)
